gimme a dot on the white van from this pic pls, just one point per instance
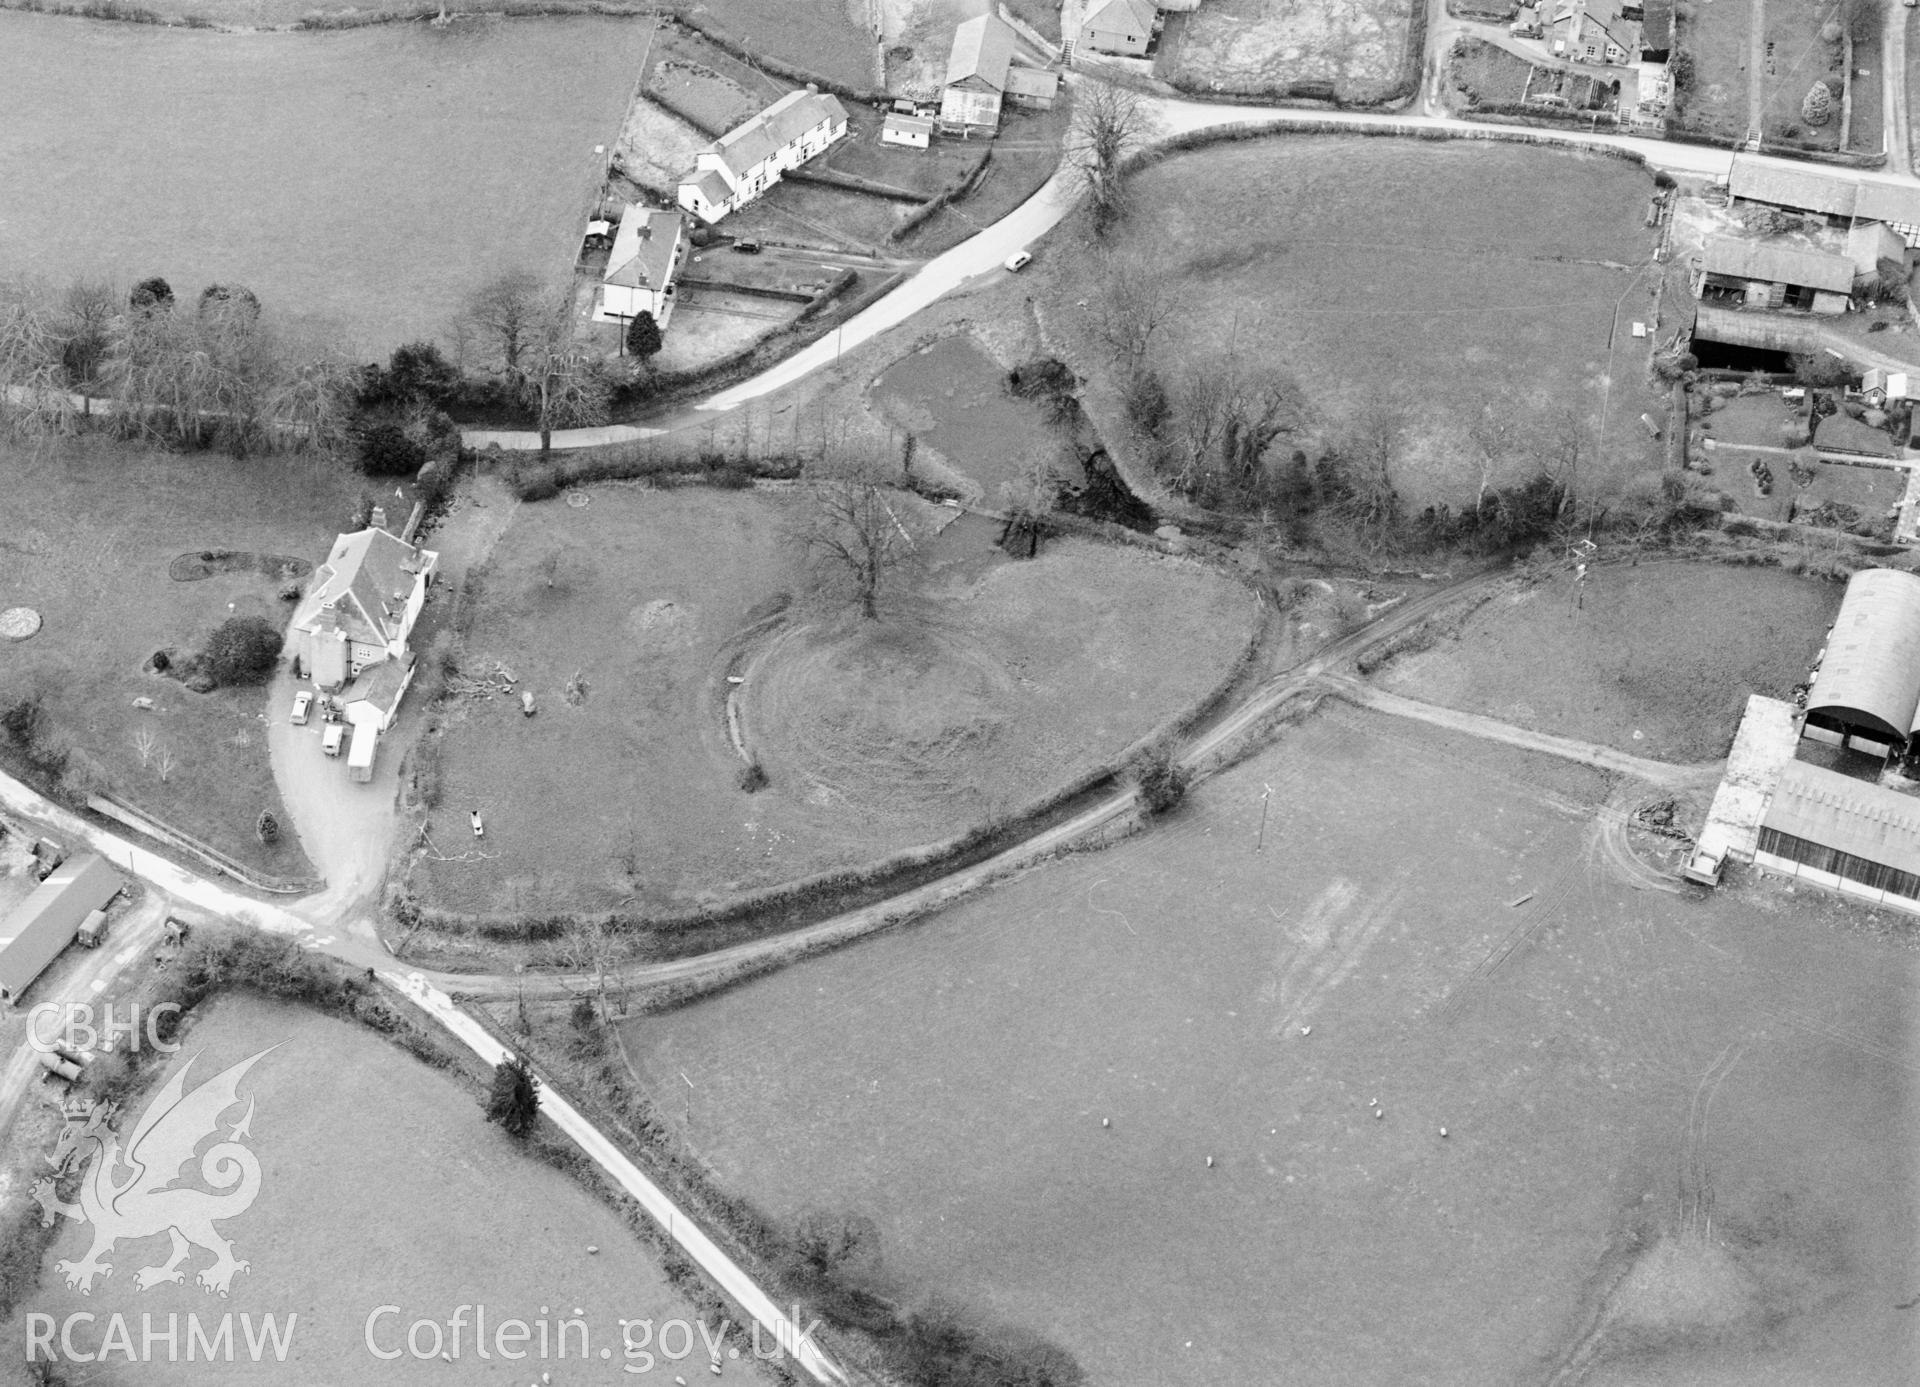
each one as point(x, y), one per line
point(333, 738)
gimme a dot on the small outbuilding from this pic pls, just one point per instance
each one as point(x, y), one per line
point(911, 132)
point(49, 919)
point(1032, 88)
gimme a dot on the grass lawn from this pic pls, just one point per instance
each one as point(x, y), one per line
point(1718, 37)
point(1359, 47)
point(90, 551)
point(812, 214)
point(951, 1080)
point(1869, 96)
point(1658, 661)
point(363, 182)
point(1425, 278)
point(1796, 58)
point(1485, 72)
point(1043, 16)
point(877, 736)
point(382, 1185)
point(656, 147)
point(829, 37)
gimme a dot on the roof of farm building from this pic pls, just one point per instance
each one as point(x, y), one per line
point(754, 141)
point(1807, 189)
point(1888, 202)
point(983, 49)
point(1858, 817)
point(710, 185)
point(1656, 25)
point(1032, 81)
point(1870, 677)
point(46, 920)
point(643, 249)
point(899, 123)
point(1777, 264)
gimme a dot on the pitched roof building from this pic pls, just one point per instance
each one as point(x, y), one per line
point(47, 920)
point(977, 67)
point(1738, 258)
point(361, 607)
point(747, 160)
point(1847, 835)
point(1123, 27)
point(647, 251)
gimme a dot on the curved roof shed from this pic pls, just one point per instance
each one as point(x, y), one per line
point(1870, 679)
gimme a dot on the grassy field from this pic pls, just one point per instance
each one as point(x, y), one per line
point(1311, 1017)
point(1430, 280)
point(338, 175)
point(1656, 660)
point(829, 37)
point(954, 399)
point(997, 686)
point(1356, 47)
point(1718, 38)
point(383, 1186)
point(90, 551)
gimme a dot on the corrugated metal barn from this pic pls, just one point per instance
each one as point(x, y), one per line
point(1867, 692)
point(1844, 834)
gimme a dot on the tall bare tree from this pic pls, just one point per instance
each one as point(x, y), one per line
point(1365, 462)
point(35, 405)
point(1494, 429)
point(504, 319)
point(1109, 124)
point(849, 528)
point(1132, 300)
point(589, 949)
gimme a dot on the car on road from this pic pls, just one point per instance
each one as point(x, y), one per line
point(479, 824)
point(1019, 260)
point(747, 246)
point(302, 707)
point(333, 738)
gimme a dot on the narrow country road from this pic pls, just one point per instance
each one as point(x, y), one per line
point(1756, 68)
point(1893, 72)
point(1665, 774)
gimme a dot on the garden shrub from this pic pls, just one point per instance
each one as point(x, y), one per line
point(242, 650)
point(536, 484)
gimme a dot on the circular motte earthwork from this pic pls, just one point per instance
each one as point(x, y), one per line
point(17, 623)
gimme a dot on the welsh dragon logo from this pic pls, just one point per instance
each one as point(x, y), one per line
point(140, 1204)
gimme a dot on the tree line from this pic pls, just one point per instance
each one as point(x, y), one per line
point(213, 371)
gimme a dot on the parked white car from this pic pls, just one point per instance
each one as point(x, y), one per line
point(302, 707)
point(1019, 260)
point(333, 738)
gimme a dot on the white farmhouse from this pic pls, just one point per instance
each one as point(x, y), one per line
point(746, 161)
point(361, 608)
point(647, 252)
